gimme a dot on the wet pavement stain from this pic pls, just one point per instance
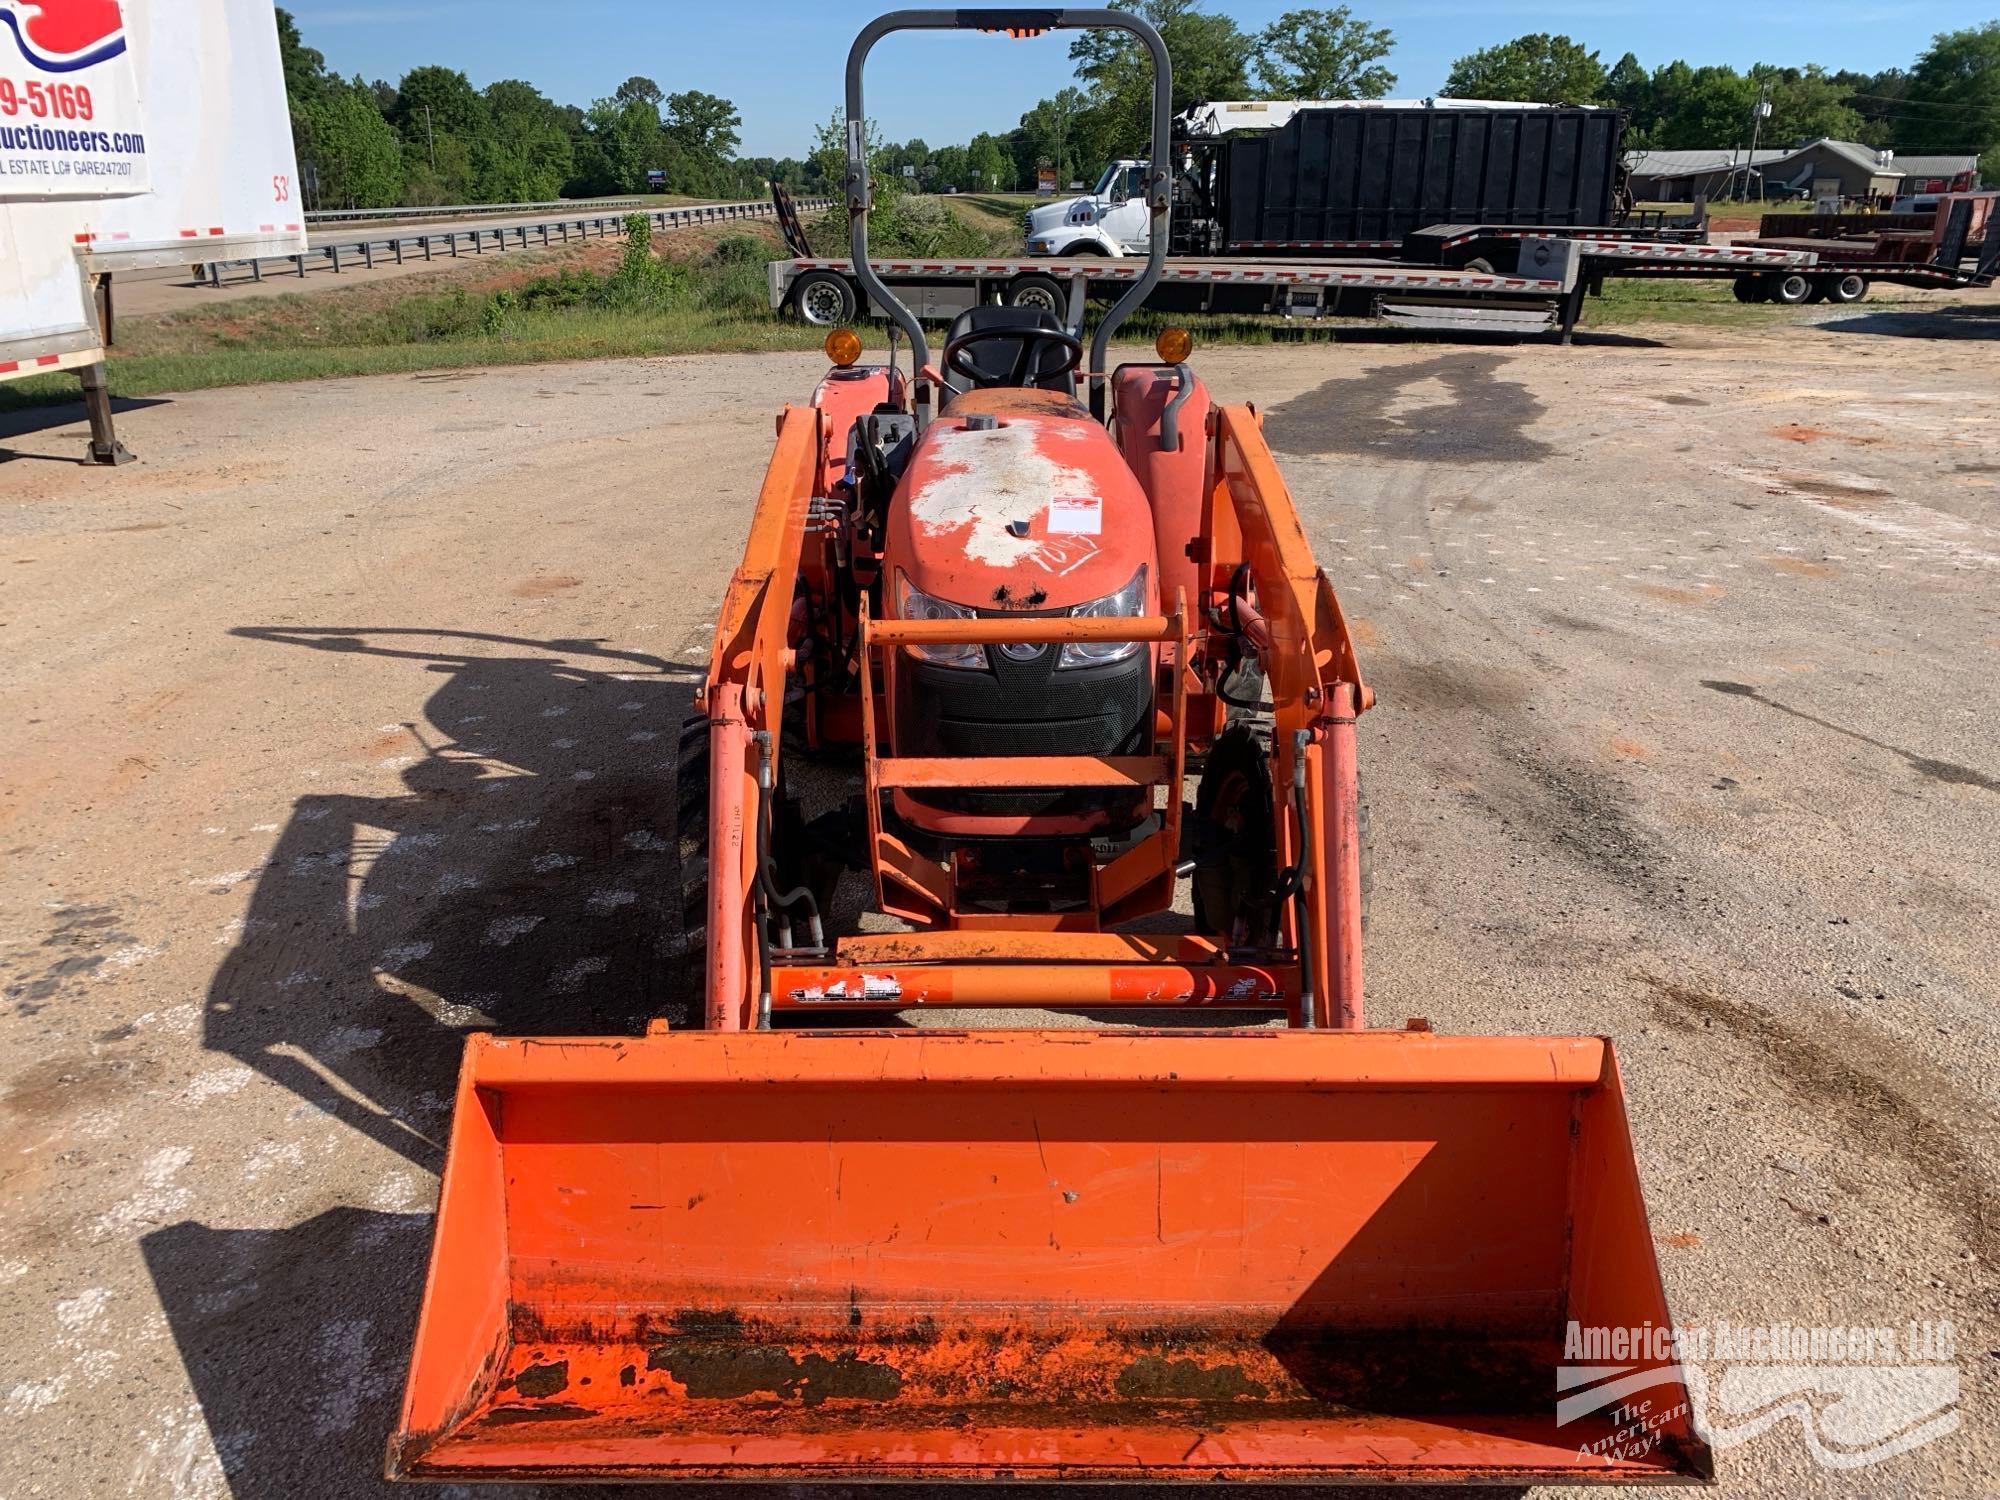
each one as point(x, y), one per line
point(1482, 419)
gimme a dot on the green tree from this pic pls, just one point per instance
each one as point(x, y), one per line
point(440, 115)
point(1878, 99)
point(304, 67)
point(1324, 54)
point(948, 165)
point(356, 159)
point(700, 131)
point(1953, 99)
point(1538, 69)
point(989, 165)
point(1806, 105)
point(1705, 107)
point(1629, 86)
point(621, 144)
point(1064, 131)
point(528, 156)
point(639, 87)
point(1211, 58)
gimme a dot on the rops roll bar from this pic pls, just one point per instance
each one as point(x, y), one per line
point(1014, 22)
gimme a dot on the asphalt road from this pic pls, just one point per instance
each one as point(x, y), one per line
point(341, 724)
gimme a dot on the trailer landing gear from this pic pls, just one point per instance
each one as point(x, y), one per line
point(104, 445)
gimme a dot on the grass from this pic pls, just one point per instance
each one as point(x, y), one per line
point(707, 294)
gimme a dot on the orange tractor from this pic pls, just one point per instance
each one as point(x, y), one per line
point(784, 1246)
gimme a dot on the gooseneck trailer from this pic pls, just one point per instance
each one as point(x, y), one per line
point(1539, 287)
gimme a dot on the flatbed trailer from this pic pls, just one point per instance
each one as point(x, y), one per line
point(1956, 253)
point(1542, 293)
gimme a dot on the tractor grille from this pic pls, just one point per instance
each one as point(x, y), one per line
point(1024, 708)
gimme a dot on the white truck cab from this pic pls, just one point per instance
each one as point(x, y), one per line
point(1110, 219)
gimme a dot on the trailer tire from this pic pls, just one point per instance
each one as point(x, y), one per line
point(1043, 293)
point(1751, 289)
point(1788, 288)
point(1849, 288)
point(688, 967)
point(823, 298)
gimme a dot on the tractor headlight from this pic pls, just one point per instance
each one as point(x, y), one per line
point(1128, 602)
point(912, 603)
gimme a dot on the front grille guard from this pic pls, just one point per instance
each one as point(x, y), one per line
point(1137, 882)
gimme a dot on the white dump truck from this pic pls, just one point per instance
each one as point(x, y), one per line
point(134, 134)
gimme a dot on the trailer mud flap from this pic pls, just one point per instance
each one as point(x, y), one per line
point(1040, 1255)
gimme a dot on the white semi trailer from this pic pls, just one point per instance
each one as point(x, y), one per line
point(134, 134)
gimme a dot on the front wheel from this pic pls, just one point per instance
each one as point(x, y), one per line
point(823, 299)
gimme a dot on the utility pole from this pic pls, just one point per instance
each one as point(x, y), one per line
point(1758, 113)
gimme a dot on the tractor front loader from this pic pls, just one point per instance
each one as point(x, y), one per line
point(1019, 617)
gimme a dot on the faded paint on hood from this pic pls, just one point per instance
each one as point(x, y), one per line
point(1012, 508)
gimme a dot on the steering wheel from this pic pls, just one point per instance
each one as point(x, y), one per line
point(1043, 355)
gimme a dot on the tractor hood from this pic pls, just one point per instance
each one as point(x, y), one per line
point(1039, 512)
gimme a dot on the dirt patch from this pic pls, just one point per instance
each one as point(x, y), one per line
point(1708, 593)
point(1798, 432)
point(1798, 567)
point(543, 586)
point(1483, 419)
point(1837, 492)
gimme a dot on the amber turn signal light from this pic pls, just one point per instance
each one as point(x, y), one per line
point(843, 346)
point(1174, 345)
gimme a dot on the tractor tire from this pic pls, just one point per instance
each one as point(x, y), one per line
point(1751, 289)
point(1851, 287)
point(1788, 288)
point(1480, 265)
point(823, 299)
point(1083, 250)
point(1235, 839)
point(1042, 293)
point(687, 967)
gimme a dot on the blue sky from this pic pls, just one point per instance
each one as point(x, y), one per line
point(780, 60)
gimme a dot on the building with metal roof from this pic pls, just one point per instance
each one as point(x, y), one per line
point(1821, 169)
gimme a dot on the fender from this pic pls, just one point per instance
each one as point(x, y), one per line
point(1091, 236)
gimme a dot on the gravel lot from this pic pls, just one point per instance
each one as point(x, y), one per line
point(340, 725)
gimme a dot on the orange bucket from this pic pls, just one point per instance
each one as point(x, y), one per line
point(1304, 1256)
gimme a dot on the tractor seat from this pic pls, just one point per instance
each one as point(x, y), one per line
point(997, 359)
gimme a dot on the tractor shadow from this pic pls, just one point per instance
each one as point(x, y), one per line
point(519, 883)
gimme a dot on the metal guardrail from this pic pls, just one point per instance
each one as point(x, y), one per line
point(478, 240)
point(460, 210)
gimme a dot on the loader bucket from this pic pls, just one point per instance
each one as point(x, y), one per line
point(1037, 1255)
